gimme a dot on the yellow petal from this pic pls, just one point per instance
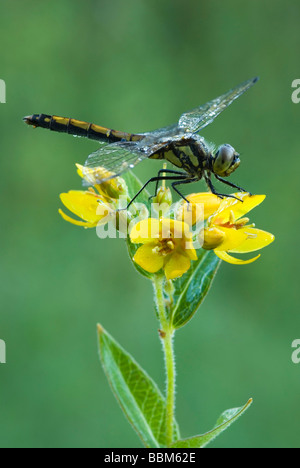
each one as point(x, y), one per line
point(93, 174)
point(238, 208)
point(75, 221)
point(145, 231)
point(190, 214)
point(170, 228)
point(234, 261)
point(232, 238)
point(82, 204)
point(148, 229)
point(79, 170)
point(82, 171)
point(209, 201)
point(190, 251)
point(148, 258)
point(201, 207)
point(176, 265)
point(256, 240)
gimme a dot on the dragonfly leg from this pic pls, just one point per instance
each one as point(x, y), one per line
point(231, 184)
point(213, 190)
point(166, 171)
point(181, 182)
point(181, 178)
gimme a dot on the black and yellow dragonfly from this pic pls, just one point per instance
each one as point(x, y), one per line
point(178, 144)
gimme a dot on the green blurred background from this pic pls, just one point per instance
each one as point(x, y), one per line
point(136, 66)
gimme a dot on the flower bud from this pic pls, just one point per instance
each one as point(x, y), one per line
point(163, 196)
point(122, 220)
point(211, 238)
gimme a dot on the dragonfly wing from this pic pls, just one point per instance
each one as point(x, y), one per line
point(197, 119)
point(112, 160)
point(162, 135)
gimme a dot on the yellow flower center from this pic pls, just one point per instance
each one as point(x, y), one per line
point(235, 224)
point(164, 247)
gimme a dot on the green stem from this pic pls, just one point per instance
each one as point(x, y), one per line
point(166, 334)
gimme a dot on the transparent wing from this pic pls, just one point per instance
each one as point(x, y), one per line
point(162, 135)
point(198, 118)
point(112, 160)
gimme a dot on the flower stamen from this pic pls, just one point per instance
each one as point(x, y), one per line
point(242, 222)
point(251, 235)
point(232, 218)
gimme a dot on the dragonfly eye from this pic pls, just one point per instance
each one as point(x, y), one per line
point(226, 161)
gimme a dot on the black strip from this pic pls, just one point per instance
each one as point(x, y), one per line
point(74, 130)
point(49, 122)
point(38, 120)
point(93, 135)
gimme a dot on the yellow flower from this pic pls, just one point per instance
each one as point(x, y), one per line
point(167, 245)
point(111, 188)
point(201, 206)
point(90, 206)
point(229, 231)
point(87, 205)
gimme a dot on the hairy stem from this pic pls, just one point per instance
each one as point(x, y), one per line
point(166, 335)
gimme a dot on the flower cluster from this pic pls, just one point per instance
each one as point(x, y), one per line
point(169, 241)
point(93, 206)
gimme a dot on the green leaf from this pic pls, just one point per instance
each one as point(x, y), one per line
point(191, 288)
point(225, 420)
point(137, 394)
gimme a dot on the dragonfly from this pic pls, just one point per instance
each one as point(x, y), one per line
point(180, 144)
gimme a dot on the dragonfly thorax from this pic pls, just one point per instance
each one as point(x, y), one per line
point(191, 154)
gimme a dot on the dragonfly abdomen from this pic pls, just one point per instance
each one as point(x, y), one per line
point(79, 128)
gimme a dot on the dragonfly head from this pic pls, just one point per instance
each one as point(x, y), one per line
point(225, 161)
